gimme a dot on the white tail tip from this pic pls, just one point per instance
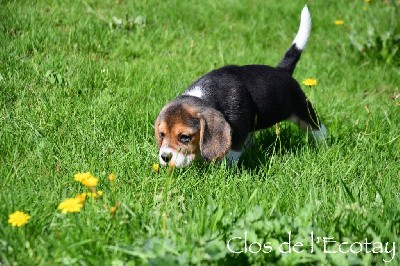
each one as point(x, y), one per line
point(304, 30)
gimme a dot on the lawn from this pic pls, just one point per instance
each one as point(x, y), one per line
point(82, 82)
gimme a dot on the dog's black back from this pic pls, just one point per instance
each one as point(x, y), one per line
point(253, 97)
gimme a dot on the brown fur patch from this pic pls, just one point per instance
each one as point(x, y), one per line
point(174, 121)
point(210, 133)
point(215, 135)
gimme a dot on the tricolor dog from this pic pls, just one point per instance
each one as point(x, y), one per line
point(215, 117)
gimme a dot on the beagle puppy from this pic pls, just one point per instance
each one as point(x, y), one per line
point(215, 117)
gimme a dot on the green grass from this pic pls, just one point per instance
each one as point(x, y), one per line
point(82, 82)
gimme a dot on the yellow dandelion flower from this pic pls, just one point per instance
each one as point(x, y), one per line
point(112, 177)
point(18, 218)
point(82, 176)
point(310, 82)
point(81, 197)
point(113, 209)
point(339, 22)
point(70, 205)
point(90, 181)
point(99, 193)
point(156, 167)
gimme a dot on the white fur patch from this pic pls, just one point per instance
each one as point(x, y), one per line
point(233, 156)
point(177, 159)
point(304, 30)
point(320, 134)
point(196, 92)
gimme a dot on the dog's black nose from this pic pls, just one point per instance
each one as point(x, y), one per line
point(166, 157)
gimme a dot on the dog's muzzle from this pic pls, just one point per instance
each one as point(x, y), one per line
point(169, 156)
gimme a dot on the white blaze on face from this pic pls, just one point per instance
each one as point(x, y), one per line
point(176, 159)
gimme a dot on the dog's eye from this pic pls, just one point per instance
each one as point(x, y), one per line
point(162, 135)
point(185, 139)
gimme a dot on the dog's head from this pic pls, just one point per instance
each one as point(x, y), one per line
point(186, 130)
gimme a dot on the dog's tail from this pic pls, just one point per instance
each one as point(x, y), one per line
point(293, 54)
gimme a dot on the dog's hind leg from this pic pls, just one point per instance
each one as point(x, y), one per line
point(305, 117)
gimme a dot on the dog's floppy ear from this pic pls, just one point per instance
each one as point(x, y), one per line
point(215, 135)
point(157, 133)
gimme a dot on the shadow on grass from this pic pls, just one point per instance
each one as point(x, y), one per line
point(267, 144)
